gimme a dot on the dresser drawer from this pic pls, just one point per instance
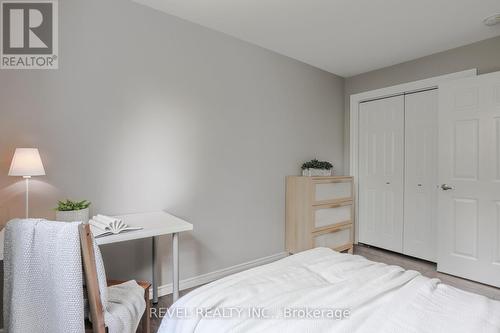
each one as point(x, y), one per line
point(331, 215)
point(332, 191)
point(334, 240)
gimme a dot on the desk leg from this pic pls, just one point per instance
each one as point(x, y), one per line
point(175, 266)
point(155, 270)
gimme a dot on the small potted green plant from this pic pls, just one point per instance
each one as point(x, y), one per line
point(71, 211)
point(317, 168)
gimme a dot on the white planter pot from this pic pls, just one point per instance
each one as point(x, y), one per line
point(73, 215)
point(317, 172)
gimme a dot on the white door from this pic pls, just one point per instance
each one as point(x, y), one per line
point(469, 169)
point(420, 193)
point(381, 173)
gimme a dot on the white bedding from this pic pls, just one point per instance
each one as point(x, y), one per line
point(380, 298)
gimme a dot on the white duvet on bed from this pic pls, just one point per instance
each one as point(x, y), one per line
point(380, 298)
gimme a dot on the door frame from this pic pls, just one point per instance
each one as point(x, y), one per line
point(400, 89)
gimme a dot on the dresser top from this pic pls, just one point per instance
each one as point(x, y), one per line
point(323, 177)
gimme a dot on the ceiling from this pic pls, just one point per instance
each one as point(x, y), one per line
point(345, 37)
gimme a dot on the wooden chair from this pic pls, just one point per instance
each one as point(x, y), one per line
point(92, 287)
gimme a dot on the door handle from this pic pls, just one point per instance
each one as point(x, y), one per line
point(446, 187)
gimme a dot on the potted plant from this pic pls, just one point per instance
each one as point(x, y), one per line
point(317, 168)
point(71, 211)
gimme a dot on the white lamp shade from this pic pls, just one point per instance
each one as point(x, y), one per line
point(26, 162)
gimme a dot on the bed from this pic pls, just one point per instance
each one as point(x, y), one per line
point(321, 290)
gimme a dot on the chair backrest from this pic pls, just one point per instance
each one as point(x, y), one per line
point(91, 281)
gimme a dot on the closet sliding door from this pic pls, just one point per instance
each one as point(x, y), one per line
point(420, 193)
point(381, 157)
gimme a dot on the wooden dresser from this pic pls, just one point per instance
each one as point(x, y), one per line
point(319, 212)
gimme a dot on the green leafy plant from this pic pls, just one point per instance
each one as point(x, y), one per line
point(68, 205)
point(315, 164)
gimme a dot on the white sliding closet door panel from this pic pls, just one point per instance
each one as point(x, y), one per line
point(421, 114)
point(381, 173)
point(469, 169)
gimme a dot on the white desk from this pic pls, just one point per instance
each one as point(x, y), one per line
point(154, 224)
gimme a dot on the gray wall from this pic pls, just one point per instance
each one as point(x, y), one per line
point(149, 112)
point(483, 55)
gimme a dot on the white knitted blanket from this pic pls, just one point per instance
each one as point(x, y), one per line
point(43, 288)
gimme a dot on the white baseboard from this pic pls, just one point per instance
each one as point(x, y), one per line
point(215, 275)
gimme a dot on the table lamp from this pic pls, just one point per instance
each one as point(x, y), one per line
point(26, 163)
